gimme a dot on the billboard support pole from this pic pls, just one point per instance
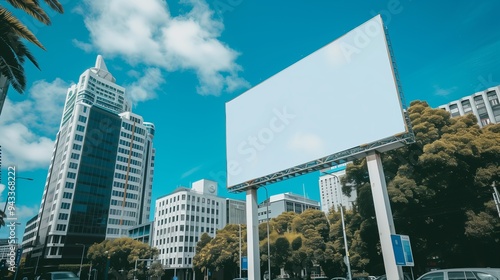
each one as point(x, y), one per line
point(383, 212)
point(253, 251)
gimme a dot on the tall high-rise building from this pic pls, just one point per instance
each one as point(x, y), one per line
point(183, 216)
point(330, 189)
point(100, 176)
point(484, 105)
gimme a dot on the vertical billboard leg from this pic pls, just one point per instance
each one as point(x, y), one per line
point(252, 235)
point(383, 213)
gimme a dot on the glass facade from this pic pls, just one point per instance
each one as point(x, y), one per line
point(89, 212)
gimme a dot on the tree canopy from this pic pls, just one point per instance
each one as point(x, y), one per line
point(120, 255)
point(440, 193)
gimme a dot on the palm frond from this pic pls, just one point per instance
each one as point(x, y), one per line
point(8, 20)
point(12, 59)
point(32, 8)
point(55, 5)
point(11, 43)
point(2, 216)
point(16, 79)
point(23, 51)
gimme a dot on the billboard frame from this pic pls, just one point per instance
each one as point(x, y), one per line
point(380, 146)
point(361, 151)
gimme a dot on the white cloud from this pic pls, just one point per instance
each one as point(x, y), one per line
point(2, 188)
point(444, 91)
point(24, 214)
point(145, 32)
point(144, 88)
point(86, 47)
point(29, 126)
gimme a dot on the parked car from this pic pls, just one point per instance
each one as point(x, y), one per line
point(405, 275)
point(361, 278)
point(59, 275)
point(462, 274)
point(320, 278)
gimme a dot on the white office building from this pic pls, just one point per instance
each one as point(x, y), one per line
point(284, 202)
point(184, 215)
point(484, 105)
point(100, 176)
point(330, 189)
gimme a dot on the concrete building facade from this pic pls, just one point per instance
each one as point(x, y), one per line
point(284, 202)
point(330, 190)
point(484, 105)
point(183, 216)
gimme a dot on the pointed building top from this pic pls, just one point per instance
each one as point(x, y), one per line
point(99, 63)
point(101, 70)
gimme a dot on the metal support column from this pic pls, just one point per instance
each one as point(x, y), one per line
point(383, 213)
point(252, 235)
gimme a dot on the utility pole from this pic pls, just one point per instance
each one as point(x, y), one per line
point(239, 225)
point(339, 197)
point(496, 198)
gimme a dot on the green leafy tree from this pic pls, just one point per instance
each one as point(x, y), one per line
point(221, 252)
point(13, 51)
point(121, 253)
point(440, 193)
point(312, 219)
point(283, 223)
point(156, 270)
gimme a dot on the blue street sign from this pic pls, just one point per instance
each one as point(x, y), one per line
point(19, 253)
point(244, 263)
point(402, 250)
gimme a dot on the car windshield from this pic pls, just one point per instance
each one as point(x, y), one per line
point(63, 275)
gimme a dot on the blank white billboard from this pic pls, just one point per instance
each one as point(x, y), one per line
point(342, 96)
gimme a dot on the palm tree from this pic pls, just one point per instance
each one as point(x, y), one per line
point(2, 215)
point(12, 49)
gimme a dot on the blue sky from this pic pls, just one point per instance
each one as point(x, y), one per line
point(182, 61)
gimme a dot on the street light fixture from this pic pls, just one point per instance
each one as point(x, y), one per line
point(347, 263)
point(6, 201)
point(268, 242)
point(81, 261)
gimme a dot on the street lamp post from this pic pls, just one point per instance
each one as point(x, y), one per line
point(239, 226)
point(142, 260)
point(347, 263)
point(17, 177)
point(268, 242)
point(107, 265)
point(81, 260)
